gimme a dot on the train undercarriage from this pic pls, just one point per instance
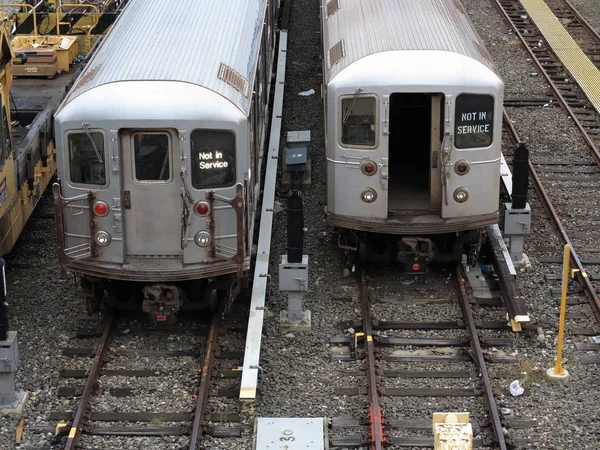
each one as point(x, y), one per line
point(414, 253)
point(162, 302)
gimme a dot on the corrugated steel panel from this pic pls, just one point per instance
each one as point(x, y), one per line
point(188, 41)
point(374, 26)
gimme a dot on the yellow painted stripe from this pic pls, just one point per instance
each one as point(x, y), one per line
point(72, 432)
point(578, 65)
point(369, 338)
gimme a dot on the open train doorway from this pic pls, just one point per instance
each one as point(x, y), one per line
point(414, 144)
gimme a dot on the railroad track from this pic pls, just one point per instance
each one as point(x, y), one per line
point(566, 176)
point(567, 92)
point(153, 384)
point(438, 362)
point(566, 183)
point(583, 33)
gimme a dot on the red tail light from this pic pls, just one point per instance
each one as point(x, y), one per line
point(100, 209)
point(416, 267)
point(369, 168)
point(462, 167)
point(202, 208)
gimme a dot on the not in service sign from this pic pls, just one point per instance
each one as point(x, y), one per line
point(473, 121)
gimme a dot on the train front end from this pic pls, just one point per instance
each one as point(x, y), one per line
point(151, 201)
point(413, 155)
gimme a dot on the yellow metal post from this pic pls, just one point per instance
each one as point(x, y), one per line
point(558, 368)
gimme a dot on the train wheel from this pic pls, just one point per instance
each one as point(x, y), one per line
point(94, 294)
point(362, 253)
point(211, 298)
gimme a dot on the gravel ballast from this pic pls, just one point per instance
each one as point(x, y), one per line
point(299, 375)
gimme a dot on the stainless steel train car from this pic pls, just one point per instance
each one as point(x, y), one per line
point(413, 109)
point(158, 146)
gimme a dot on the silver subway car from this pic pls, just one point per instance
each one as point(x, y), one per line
point(158, 148)
point(413, 112)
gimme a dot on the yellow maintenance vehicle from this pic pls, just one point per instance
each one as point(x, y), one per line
point(28, 102)
point(64, 17)
point(15, 206)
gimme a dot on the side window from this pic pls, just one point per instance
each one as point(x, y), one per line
point(87, 158)
point(213, 158)
point(151, 155)
point(358, 121)
point(473, 121)
point(6, 138)
point(3, 149)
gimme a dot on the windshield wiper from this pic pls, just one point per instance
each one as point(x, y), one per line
point(85, 126)
point(347, 115)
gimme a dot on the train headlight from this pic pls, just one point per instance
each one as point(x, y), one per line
point(102, 238)
point(202, 239)
point(369, 168)
point(369, 195)
point(461, 195)
point(462, 167)
point(100, 209)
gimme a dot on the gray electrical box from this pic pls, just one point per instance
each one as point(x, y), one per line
point(293, 276)
point(517, 221)
point(297, 155)
point(297, 160)
point(9, 353)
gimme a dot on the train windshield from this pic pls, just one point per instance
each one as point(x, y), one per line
point(358, 121)
point(87, 158)
point(474, 121)
point(213, 158)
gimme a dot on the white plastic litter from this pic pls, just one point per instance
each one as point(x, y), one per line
point(516, 389)
point(307, 93)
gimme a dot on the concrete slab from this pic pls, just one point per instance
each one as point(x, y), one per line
point(290, 433)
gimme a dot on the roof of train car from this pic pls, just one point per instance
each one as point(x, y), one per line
point(188, 41)
point(368, 27)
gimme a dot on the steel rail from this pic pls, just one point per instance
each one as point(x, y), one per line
point(201, 400)
point(582, 20)
point(559, 97)
point(90, 386)
point(537, 182)
point(377, 437)
point(477, 355)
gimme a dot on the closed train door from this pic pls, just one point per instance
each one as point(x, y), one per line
point(415, 153)
point(151, 193)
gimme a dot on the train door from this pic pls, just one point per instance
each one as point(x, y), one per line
point(151, 193)
point(415, 135)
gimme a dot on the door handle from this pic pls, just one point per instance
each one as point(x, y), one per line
point(126, 200)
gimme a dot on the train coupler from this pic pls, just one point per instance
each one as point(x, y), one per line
point(416, 254)
point(162, 302)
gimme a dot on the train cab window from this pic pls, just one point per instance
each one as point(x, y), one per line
point(473, 121)
point(151, 155)
point(358, 121)
point(87, 158)
point(213, 158)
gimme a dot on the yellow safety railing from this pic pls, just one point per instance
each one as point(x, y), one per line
point(26, 6)
point(558, 368)
point(87, 28)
